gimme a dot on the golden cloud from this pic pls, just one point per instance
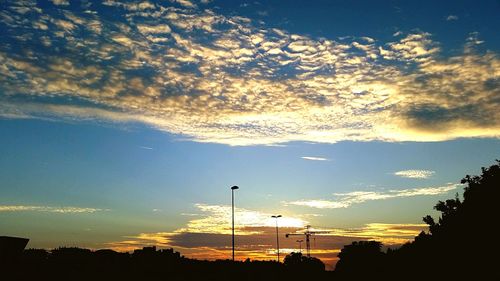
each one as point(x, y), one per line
point(261, 245)
point(208, 236)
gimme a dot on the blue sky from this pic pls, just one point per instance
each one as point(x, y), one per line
point(124, 124)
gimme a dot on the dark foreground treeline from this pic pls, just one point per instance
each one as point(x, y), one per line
point(151, 264)
point(461, 245)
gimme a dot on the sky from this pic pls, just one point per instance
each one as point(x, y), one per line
point(124, 124)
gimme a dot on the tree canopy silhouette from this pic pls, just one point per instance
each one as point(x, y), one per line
point(360, 257)
point(298, 262)
point(454, 247)
point(148, 263)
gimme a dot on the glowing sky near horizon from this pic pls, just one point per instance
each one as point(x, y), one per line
point(124, 123)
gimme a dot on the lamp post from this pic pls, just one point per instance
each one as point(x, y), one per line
point(277, 235)
point(300, 245)
point(232, 205)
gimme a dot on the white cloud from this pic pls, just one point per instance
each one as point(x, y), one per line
point(313, 158)
point(217, 219)
point(415, 174)
point(345, 200)
point(451, 17)
point(146, 147)
point(49, 209)
point(320, 204)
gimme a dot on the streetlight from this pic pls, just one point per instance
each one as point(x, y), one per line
point(232, 205)
point(300, 245)
point(277, 236)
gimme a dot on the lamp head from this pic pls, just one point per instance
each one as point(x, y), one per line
point(234, 187)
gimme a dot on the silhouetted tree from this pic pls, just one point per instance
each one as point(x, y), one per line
point(360, 258)
point(148, 263)
point(302, 265)
point(454, 245)
point(454, 248)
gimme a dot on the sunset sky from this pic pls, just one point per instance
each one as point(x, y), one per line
point(124, 124)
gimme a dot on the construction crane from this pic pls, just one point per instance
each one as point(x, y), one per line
point(307, 233)
point(300, 245)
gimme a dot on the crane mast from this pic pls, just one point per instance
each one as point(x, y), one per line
point(307, 233)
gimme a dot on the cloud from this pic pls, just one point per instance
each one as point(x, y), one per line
point(133, 7)
point(187, 3)
point(49, 209)
point(217, 218)
point(146, 147)
point(131, 243)
point(263, 13)
point(417, 47)
point(60, 2)
point(388, 234)
point(210, 77)
point(415, 174)
point(451, 18)
point(153, 29)
point(315, 158)
point(345, 200)
point(206, 235)
point(320, 204)
point(261, 245)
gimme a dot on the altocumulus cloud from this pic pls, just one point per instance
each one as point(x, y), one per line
point(188, 70)
point(345, 200)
